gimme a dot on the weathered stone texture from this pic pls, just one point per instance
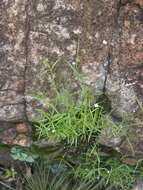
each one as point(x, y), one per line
point(98, 32)
point(124, 83)
point(12, 59)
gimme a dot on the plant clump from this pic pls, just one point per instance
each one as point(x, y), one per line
point(77, 126)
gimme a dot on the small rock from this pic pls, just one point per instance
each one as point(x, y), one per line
point(107, 138)
point(22, 128)
point(22, 140)
point(130, 161)
point(8, 135)
point(46, 142)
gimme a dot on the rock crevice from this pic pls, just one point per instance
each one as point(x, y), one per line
point(26, 44)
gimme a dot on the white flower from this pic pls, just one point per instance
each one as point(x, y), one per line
point(73, 63)
point(96, 105)
point(53, 131)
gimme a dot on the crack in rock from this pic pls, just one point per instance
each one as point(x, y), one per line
point(27, 31)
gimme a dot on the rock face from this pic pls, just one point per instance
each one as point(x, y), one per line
point(105, 36)
point(15, 134)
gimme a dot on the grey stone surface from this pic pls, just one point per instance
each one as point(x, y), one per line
point(105, 35)
point(12, 59)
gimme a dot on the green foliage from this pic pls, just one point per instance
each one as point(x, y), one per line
point(67, 121)
point(107, 171)
point(10, 173)
point(18, 153)
point(76, 121)
point(94, 172)
point(83, 122)
point(42, 179)
point(71, 116)
point(5, 186)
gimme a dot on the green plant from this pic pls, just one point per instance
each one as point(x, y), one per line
point(18, 153)
point(42, 179)
point(107, 171)
point(8, 176)
point(10, 173)
point(5, 186)
point(75, 120)
point(68, 121)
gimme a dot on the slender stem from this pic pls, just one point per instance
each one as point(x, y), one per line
point(4, 184)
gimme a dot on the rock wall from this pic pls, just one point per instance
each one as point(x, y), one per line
point(106, 36)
